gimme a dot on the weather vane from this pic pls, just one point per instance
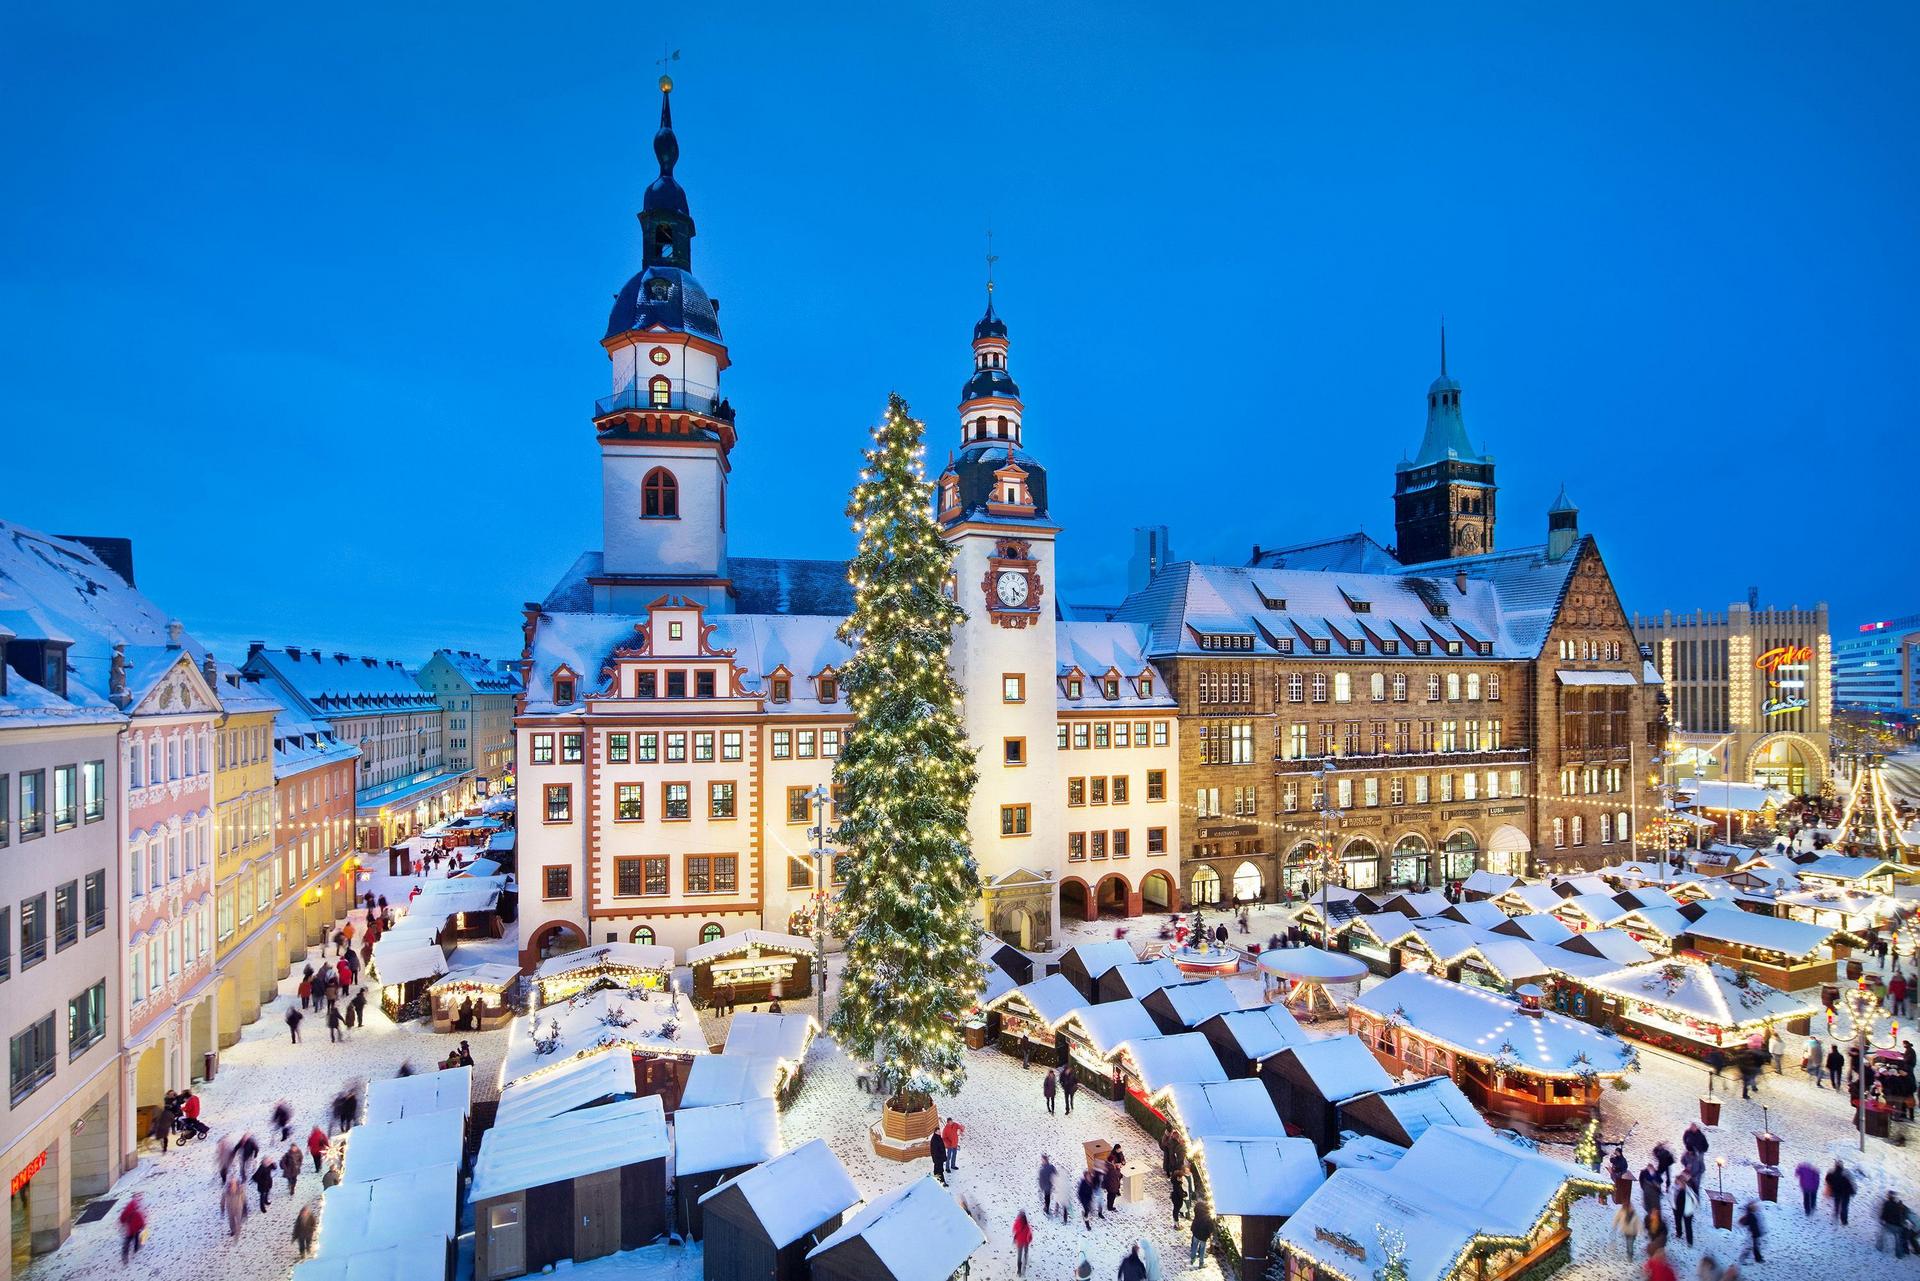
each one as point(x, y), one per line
point(991, 257)
point(666, 56)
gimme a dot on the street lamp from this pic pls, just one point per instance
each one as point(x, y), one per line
point(1861, 1005)
point(818, 835)
point(1330, 815)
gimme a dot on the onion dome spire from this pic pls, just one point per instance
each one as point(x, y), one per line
point(664, 212)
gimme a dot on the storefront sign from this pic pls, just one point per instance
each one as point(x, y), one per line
point(1773, 659)
point(1781, 706)
point(26, 1174)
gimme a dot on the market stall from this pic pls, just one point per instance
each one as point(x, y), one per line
point(1690, 1005)
point(1084, 963)
point(1511, 1056)
point(579, 1083)
point(1133, 980)
point(914, 1233)
point(1781, 953)
point(1307, 1082)
point(784, 1038)
point(1300, 978)
point(404, 967)
point(712, 1145)
point(752, 966)
point(657, 1032)
point(1181, 1007)
point(761, 1224)
point(1244, 1039)
point(372, 1213)
point(605, 965)
point(473, 998)
point(1255, 1185)
point(718, 1079)
point(1033, 1012)
point(397, 1097)
point(1405, 1112)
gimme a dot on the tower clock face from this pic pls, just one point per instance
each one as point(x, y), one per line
point(1011, 588)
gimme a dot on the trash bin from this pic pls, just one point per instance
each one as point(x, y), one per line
point(209, 1064)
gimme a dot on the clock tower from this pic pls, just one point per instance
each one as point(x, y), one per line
point(991, 502)
point(1443, 497)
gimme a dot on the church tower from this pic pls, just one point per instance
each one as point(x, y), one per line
point(665, 431)
point(991, 502)
point(1443, 497)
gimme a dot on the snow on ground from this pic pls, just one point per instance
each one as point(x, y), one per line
point(186, 1235)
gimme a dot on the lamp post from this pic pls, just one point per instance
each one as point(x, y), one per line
point(818, 835)
point(1329, 816)
point(1861, 1005)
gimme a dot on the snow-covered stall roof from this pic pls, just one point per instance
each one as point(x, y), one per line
point(377, 1212)
point(1844, 867)
point(633, 1019)
point(400, 959)
point(1598, 908)
point(1242, 1109)
point(717, 1079)
point(1419, 1105)
point(1164, 1061)
point(1701, 991)
point(1417, 903)
point(1528, 898)
point(575, 1084)
point(1097, 958)
point(1538, 926)
point(1364, 1152)
point(795, 1192)
point(1051, 999)
point(1476, 912)
point(492, 976)
point(1142, 977)
point(995, 984)
point(784, 1037)
point(724, 1137)
point(605, 956)
point(1505, 1187)
point(1484, 1025)
point(514, 1158)
point(1491, 884)
point(1580, 883)
point(1616, 945)
point(448, 1090)
point(918, 1232)
point(382, 1149)
point(1340, 1067)
point(748, 940)
point(421, 1255)
point(1195, 1002)
point(1642, 897)
point(1386, 928)
point(1263, 1031)
point(1270, 1176)
point(1767, 933)
point(1107, 1027)
point(451, 895)
point(1512, 960)
point(1665, 922)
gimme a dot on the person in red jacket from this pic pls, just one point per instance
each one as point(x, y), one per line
point(1658, 1269)
point(316, 1146)
point(345, 971)
point(951, 1135)
point(133, 1222)
point(1022, 1238)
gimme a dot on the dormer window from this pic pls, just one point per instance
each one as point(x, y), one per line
point(1453, 647)
point(829, 690)
point(1145, 685)
point(1073, 687)
point(1110, 687)
point(563, 690)
point(674, 631)
point(1319, 644)
point(782, 689)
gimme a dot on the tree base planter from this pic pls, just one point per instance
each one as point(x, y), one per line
point(1722, 1205)
point(901, 1134)
point(1709, 1110)
point(1769, 1148)
point(1769, 1176)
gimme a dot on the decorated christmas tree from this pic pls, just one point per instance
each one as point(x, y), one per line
point(912, 954)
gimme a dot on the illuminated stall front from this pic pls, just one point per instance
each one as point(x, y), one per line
point(609, 965)
point(1691, 1006)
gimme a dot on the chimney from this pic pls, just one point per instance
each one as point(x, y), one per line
point(255, 647)
point(117, 677)
point(115, 553)
point(211, 671)
point(174, 633)
point(1460, 581)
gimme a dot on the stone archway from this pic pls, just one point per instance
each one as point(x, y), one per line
point(1113, 896)
point(149, 1085)
point(553, 939)
point(1787, 760)
point(1015, 925)
point(1248, 883)
point(1076, 901)
point(1204, 888)
point(1158, 893)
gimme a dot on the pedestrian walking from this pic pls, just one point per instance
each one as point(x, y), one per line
point(290, 1167)
point(161, 1127)
point(1658, 1269)
point(316, 1144)
point(1813, 1063)
point(1083, 1193)
point(304, 1224)
point(359, 1006)
point(1663, 1164)
point(263, 1181)
point(1048, 1172)
point(1893, 1219)
point(1047, 1089)
point(1776, 1050)
point(234, 1201)
point(305, 989)
point(1200, 1231)
point(1685, 1202)
point(937, 1150)
point(1834, 1064)
point(1022, 1240)
point(283, 1119)
point(333, 1021)
point(1110, 1180)
point(1177, 1194)
point(293, 1020)
point(951, 1134)
point(1626, 1225)
point(1656, 1230)
point(1840, 1187)
point(344, 972)
point(1069, 1085)
point(1750, 1220)
point(246, 1150)
point(1133, 1267)
point(1809, 1180)
point(133, 1228)
point(1649, 1188)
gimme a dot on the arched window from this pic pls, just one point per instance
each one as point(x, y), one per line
point(1206, 885)
point(659, 392)
point(641, 934)
point(710, 931)
point(1001, 426)
point(660, 495)
point(980, 429)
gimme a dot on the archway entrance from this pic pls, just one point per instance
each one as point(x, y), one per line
point(1113, 895)
point(1300, 872)
point(1247, 883)
point(1205, 888)
point(149, 1086)
point(1788, 762)
point(1156, 892)
point(200, 1039)
point(1360, 864)
point(556, 938)
point(1507, 851)
point(1410, 862)
point(1015, 925)
point(1463, 855)
point(1074, 903)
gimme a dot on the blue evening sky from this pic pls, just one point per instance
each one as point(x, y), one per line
point(308, 303)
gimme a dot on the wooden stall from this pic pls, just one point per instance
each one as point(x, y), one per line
point(910, 1234)
point(718, 1079)
point(784, 1038)
point(1405, 1112)
point(1244, 1039)
point(577, 1186)
point(1690, 1005)
point(657, 1030)
point(420, 1256)
point(394, 1210)
point(473, 998)
point(1308, 1081)
point(761, 1224)
point(1255, 1186)
point(1781, 953)
point(642, 966)
point(1033, 1012)
point(395, 1098)
point(1133, 980)
point(1084, 963)
point(752, 966)
point(1183, 1007)
point(583, 1082)
point(712, 1145)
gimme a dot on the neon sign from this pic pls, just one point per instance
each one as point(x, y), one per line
point(1774, 659)
point(1781, 706)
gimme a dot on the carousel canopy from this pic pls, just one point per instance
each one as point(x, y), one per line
point(1698, 990)
point(1477, 1024)
point(1313, 963)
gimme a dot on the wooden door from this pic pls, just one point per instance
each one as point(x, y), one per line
point(596, 1215)
point(506, 1241)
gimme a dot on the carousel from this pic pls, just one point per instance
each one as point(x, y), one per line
point(1196, 953)
point(1299, 978)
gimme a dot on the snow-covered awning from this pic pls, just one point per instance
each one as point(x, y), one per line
point(381, 1149)
point(576, 1084)
point(715, 1080)
point(1265, 1177)
point(725, 1137)
point(406, 964)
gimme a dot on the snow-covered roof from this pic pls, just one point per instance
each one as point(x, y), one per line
point(918, 1232)
point(1193, 1003)
point(1163, 1061)
point(1339, 1067)
point(1491, 884)
point(414, 958)
point(1142, 977)
point(995, 984)
point(784, 1037)
point(1844, 867)
point(1097, 647)
point(1701, 990)
point(1421, 1104)
point(365, 1215)
point(701, 953)
point(1538, 926)
point(1263, 1031)
point(1097, 958)
point(421, 1255)
point(628, 1019)
point(1768, 933)
point(1667, 922)
point(571, 1085)
point(724, 1136)
point(449, 896)
point(1513, 960)
point(1241, 1109)
point(1386, 928)
point(1269, 1176)
point(717, 1079)
point(395, 1097)
point(381, 1149)
point(1594, 907)
point(330, 685)
point(1107, 1027)
point(1417, 903)
point(1529, 898)
point(1482, 1025)
point(1364, 1152)
point(606, 956)
point(795, 1192)
point(1615, 945)
point(1744, 798)
point(1051, 999)
point(516, 1157)
point(492, 975)
point(1481, 912)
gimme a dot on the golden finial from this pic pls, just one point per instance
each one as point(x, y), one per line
point(666, 84)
